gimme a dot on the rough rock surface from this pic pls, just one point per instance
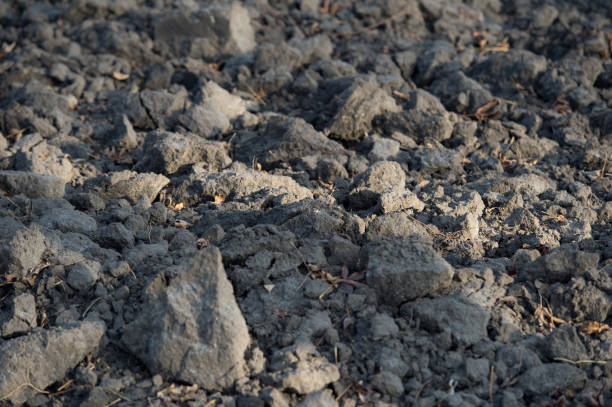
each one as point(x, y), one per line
point(193, 323)
point(305, 202)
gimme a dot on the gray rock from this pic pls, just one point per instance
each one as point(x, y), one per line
point(520, 65)
point(358, 106)
point(560, 264)
point(212, 31)
point(194, 322)
point(123, 134)
point(322, 398)
point(115, 236)
point(369, 185)
point(46, 159)
point(384, 149)
point(300, 368)
point(460, 93)
point(163, 106)
point(466, 321)
point(565, 343)
point(206, 121)
point(129, 185)
point(400, 270)
point(171, 152)
point(21, 248)
point(44, 357)
point(477, 370)
point(131, 105)
point(232, 106)
point(388, 383)
point(431, 56)
point(398, 199)
point(83, 275)
point(20, 316)
point(382, 326)
point(243, 185)
point(287, 140)
point(396, 224)
point(31, 185)
point(69, 220)
point(547, 378)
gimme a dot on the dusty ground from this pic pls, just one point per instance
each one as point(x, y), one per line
point(312, 203)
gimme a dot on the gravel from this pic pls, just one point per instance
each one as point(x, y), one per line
point(305, 203)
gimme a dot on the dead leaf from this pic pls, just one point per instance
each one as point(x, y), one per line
point(219, 199)
point(120, 76)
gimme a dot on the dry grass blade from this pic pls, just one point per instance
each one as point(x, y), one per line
point(502, 46)
point(486, 111)
point(26, 383)
point(561, 105)
point(581, 362)
point(593, 327)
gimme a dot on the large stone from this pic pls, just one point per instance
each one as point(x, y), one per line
point(358, 106)
point(44, 357)
point(382, 176)
point(21, 248)
point(129, 185)
point(548, 378)
point(560, 265)
point(31, 185)
point(465, 321)
point(401, 270)
point(287, 140)
point(193, 331)
point(170, 152)
point(212, 31)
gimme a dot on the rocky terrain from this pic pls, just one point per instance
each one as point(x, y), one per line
point(306, 203)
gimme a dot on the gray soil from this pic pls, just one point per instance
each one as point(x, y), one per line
point(306, 203)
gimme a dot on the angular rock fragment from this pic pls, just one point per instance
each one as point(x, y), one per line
point(129, 185)
point(548, 378)
point(163, 106)
point(69, 220)
point(358, 106)
point(242, 185)
point(46, 159)
point(193, 330)
point(232, 106)
point(560, 265)
point(204, 120)
point(210, 32)
point(400, 270)
point(32, 185)
point(380, 177)
point(301, 369)
point(20, 316)
point(170, 152)
point(21, 248)
point(44, 357)
point(287, 140)
point(466, 321)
